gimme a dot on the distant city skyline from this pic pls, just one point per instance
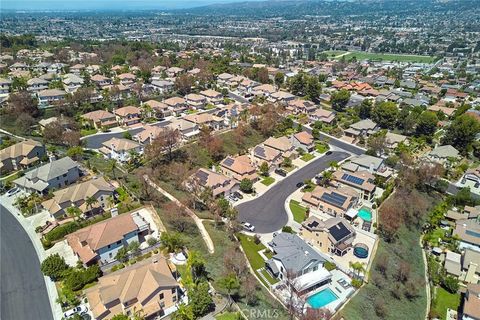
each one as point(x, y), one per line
point(105, 5)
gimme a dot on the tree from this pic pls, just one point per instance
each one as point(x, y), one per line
point(340, 99)
point(262, 75)
point(184, 312)
point(200, 300)
point(313, 89)
point(122, 254)
point(287, 162)
point(451, 284)
point(165, 142)
point(246, 185)
point(172, 242)
point(90, 201)
point(264, 169)
point(279, 79)
point(22, 102)
point(229, 283)
point(426, 124)
point(358, 268)
point(183, 84)
point(196, 265)
point(54, 267)
point(134, 248)
point(120, 317)
point(76, 153)
point(462, 132)
point(385, 114)
point(249, 288)
point(74, 212)
point(72, 138)
point(112, 167)
point(365, 109)
point(53, 132)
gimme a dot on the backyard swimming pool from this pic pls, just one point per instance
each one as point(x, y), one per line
point(365, 214)
point(321, 298)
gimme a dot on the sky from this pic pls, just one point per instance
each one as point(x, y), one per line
point(65, 5)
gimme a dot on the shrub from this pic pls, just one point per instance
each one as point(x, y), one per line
point(62, 230)
point(76, 279)
point(357, 283)
point(54, 267)
point(117, 267)
point(330, 266)
point(152, 241)
point(287, 229)
point(256, 239)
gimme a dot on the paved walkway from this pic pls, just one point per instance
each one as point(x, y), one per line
point(198, 221)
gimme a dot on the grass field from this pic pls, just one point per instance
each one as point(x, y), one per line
point(321, 147)
point(268, 181)
point(307, 157)
point(387, 57)
point(251, 251)
point(299, 212)
point(444, 300)
point(228, 316)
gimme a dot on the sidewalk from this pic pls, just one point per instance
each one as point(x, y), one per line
point(51, 289)
point(198, 221)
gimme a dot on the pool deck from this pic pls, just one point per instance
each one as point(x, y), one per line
point(341, 292)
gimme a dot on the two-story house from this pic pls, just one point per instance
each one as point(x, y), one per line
point(48, 97)
point(335, 202)
point(361, 181)
point(100, 119)
point(304, 141)
point(120, 149)
point(264, 154)
point(177, 104)
point(196, 101)
point(53, 175)
point(128, 116)
point(362, 129)
point(239, 168)
point(37, 84)
point(219, 184)
point(101, 81)
point(212, 96)
point(21, 155)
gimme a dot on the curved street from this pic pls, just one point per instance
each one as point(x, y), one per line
point(23, 290)
point(267, 212)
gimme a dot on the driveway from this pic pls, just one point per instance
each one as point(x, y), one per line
point(267, 212)
point(23, 291)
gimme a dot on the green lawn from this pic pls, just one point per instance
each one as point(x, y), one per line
point(321, 147)
point(444, 300)
point(299, 212)
point(435, 236)
point(87, 132)
point(307, 157)
point(268, 181)
point(389, 57)
point(228, 316)
point(251, 250)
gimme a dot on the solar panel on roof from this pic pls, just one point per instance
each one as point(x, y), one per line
point(334, 199)
point(339, 231)
point(260, 151)
point(203, 176)
point(313, 224)
point(228, 162)
point(352, 179)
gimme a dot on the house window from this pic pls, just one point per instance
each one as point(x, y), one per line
point(108, 246)
point(162, 304)
point(119, 241)
point(110, 255)
point(174, 290)
point(161, 296)
point(174, 299)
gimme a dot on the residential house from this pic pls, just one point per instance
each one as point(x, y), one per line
point(471, 303)
point(77, 69)
point(120, 149)
point(177, 104)
point(5, 85)
point(473, 175)
point(101, 81)
point(77, 195)
point(322, 115)
point(265, 90)
point(443, 154)
point(100, 119)
point(162, 86)
point(53, 175)
point(332, 236)
point(299, 106)
point(219, 184)
point(392, 140)
point(37, 84)
point(49, 96)
point(148, 287)
point(361, 181)
point(281, 97)
point(128, 116)
point(362, 129)
point(452, 263)
point(160, 110)
point(247, 87)
point(186, 128)
point(366, 162)
point(471, 265)
point(298, 263)
point(212, 96)
point(264, 154)
point(72, 82)
point(223, 79)
point(239, 168)
point(196, 101)
point(21, 155)
point(148, 134)
point(206, 119)
point(468, 231)
point(101, 241)
point(333, 201)
point(173, 72)
point(126, 79)
point(282, 144)
point(304, 141)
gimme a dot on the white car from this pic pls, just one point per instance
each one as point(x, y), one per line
point(77, 310)
point(248, 227)
point(12, 191)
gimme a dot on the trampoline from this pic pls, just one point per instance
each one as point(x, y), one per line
point(360, 250)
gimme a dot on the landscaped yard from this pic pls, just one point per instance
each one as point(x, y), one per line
point(388, 57)
point(251, 250)
point(87, 132)
point(299, 212)
point(307, 157)
point(321, 147)
point(228, 316)
point(268, 181)
point(444, 300)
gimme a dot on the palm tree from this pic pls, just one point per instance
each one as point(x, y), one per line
point(326, 177)
point(112, 166)
point(357, 267)
point(229, 283)
point(90, 201)
point(110, 201)
point(74, 212)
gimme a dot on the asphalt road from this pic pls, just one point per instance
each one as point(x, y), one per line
point(267, 212)
point(23, 291)
point(338, 143)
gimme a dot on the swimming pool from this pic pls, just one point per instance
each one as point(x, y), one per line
point(321, 298)
point(365, 214)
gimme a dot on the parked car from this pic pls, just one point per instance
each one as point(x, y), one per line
point(77, 310)
point(247, 226)
point(12, 191)
point(329, 153)
point(300, 184)
point(281, 172)
point(233, 198)
point(238, 195)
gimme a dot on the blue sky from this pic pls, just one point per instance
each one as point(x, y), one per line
point(104, 4)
